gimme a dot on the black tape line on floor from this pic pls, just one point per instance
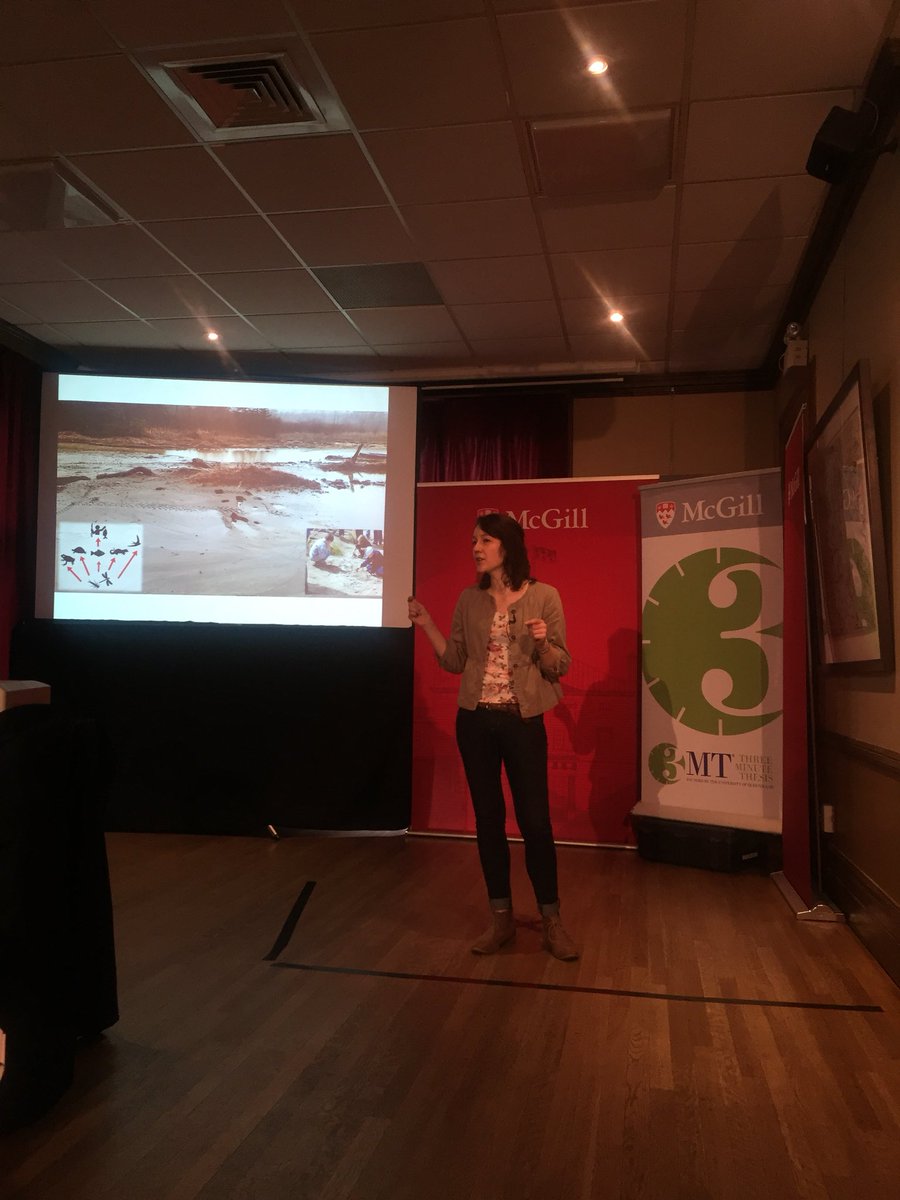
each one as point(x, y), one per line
point(579, 989)
point(287, 929)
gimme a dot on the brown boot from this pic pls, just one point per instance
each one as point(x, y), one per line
point(501, 930)
point(556, 940)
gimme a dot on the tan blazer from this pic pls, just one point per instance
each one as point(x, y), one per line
point(535, 676)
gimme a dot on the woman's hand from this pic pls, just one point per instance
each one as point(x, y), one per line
point(418, 613)
point(537, 627)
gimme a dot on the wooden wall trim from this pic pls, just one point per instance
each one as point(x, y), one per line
point(887, 761)
point(871, 913)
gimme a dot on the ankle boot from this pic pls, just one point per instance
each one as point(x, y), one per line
point(556, 940)
point(501, 930)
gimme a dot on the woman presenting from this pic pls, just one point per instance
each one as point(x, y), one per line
point(508, 641)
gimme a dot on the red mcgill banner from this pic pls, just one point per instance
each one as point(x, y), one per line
point(796, 841)
point(583, 537)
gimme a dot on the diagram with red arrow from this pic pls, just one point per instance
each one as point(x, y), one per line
point(99, 556)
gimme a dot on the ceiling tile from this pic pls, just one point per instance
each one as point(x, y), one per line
point(547, 53)
point(381, 326)
point(348, 236)
point(117, 333)
point(17, 316)
point(169, 22)
point(754, 306)
point(302, 173)
point(234, 334)
point(742, 349)
point(286, 291)
point(608, 226)
point(736, 139)
point(53, 335)
point(732, 39)
point(307, 331)
point(488, 227)
point(89, 104)
point(768, 262)
point(463, 162)
point(527, 318)
point(521, 350)
point(109, 251)
point(52, 29)
point(445, 73)
point(315, 15)
point(642, 313)
point(23, 259)
point(611, 156)
point(646, 312)
point(160, 298)
point(384, 285)
point(491, 280)
point(16, 141)
point(727, 211)
point(611, 274)
point(618, 349)
point(224, 244)
point(65, 301)
point(155, 185)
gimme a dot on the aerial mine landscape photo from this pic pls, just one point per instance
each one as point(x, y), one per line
point(208, 501)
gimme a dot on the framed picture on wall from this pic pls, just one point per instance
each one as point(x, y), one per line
point(855, 632)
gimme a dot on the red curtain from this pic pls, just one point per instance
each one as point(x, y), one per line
point(20, 412)
point(494, 436)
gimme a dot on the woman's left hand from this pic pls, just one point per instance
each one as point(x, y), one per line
point(538, 629)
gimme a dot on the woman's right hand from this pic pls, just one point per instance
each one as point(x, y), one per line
point(418, 613)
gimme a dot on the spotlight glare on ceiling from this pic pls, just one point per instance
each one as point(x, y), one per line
point(212, 336)
point(616, 317)
point(598, 66)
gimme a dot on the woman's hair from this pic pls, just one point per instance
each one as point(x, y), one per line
point(511, 537)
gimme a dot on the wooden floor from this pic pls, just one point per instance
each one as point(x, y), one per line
point(707, 1045)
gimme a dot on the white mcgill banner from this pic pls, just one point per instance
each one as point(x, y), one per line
point(711, 633)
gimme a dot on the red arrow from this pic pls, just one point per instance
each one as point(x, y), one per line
point(127, 565)
point(112, 564)
point(87, 569)
point(71, 572)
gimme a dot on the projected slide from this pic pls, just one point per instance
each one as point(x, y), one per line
point(220, 501)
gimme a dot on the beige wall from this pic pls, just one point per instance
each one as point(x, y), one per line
point(674, 435)
point(857, 315)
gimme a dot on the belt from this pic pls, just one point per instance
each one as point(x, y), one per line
point(510, 706)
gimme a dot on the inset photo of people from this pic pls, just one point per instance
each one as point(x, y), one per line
point(344, 562)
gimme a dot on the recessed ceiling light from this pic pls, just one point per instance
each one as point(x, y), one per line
point(212, 336)
point(598, 66)
point(616, 317)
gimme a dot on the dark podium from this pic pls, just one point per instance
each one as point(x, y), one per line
point(57, 954)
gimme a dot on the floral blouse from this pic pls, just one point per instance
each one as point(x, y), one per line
point(497, 686)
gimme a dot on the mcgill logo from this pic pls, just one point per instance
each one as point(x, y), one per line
point(726, 508)
point(550, 518)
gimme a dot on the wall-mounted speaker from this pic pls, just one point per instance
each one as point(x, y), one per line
point(841, 139)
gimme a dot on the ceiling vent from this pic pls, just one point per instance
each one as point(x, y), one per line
point(253, 95)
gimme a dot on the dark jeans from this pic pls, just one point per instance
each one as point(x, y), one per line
point(486, 741)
